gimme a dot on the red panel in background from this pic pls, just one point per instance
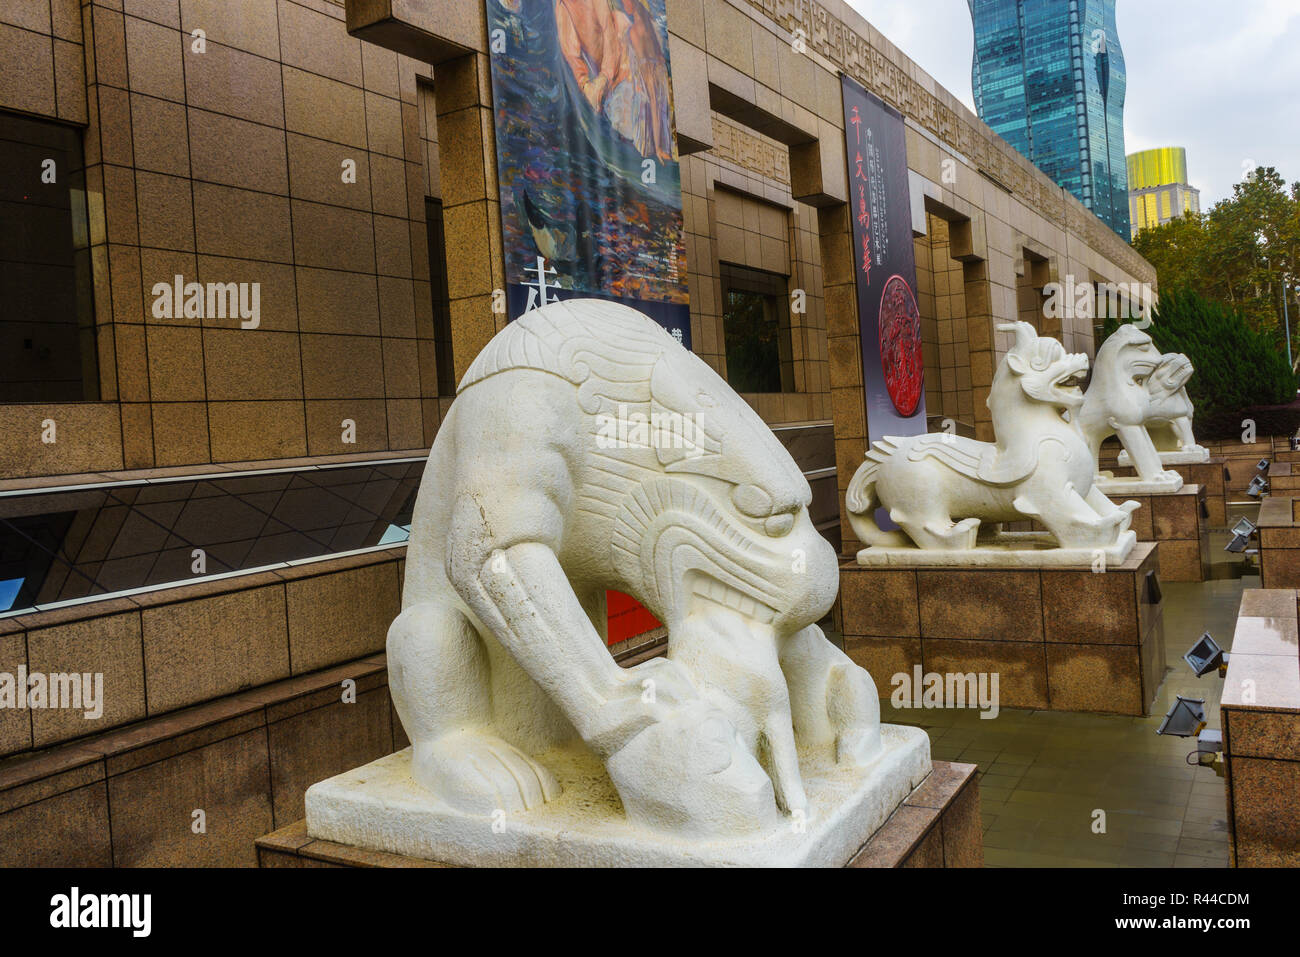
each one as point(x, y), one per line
point(626, 617)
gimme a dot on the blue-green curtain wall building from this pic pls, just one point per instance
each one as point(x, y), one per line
point(1049, 78)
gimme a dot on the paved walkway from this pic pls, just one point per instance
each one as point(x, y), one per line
point(1045, 775)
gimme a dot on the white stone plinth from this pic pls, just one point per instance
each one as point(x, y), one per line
point(1169, 483)
point(1198, 455)
point(380, 807)
point(1005, 550)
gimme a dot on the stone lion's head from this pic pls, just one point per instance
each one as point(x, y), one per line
point(1042, 369)
point(1124, 375)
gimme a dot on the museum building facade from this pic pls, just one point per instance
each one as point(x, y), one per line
point(252, 248)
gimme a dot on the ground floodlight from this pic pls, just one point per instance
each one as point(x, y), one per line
point(1185, 719)
point(1209, 745)
point(1263, 464)
point(1258, 486)
point(1238, 544)
point(1206, 656)
point(1209, 741)
point(1245, 527)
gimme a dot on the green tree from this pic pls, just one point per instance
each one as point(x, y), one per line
point(1243, 253)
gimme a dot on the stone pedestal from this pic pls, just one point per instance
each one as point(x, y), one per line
point(1179, 522)
point(1279, 542)
point(1260, 711)
point(1209, 476)
point(1063, 639)
point(380, 807)
point(937, 825)
point(1284, 478)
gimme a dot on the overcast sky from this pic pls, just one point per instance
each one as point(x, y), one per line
point(1221, 79)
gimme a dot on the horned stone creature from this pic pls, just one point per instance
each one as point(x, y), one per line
point(943, 490)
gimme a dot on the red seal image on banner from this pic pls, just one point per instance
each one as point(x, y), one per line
point(900, 345)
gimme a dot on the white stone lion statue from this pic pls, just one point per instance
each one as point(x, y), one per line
point(1140, 395)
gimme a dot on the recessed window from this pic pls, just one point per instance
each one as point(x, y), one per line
point(441, 298)
point(47, 326)
point(756, 326)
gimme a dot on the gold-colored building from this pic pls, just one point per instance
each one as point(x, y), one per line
point(1158, 189)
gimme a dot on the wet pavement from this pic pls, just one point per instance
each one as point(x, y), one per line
point(1060, 789)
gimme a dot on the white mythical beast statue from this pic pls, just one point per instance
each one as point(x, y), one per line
point(1167, 412)
point(1141, 395)
point(944, 491)
point(540, 493)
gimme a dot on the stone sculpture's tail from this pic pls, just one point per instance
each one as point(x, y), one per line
point(860, 497)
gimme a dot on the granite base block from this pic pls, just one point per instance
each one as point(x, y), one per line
point(1180, 522)
point(1260, 714)
point(1062, 639)
point(1210, 477)
point(937, 825)
point(1279, 542)
point(380, 807)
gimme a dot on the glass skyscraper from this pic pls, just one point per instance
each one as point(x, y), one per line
point(1049, 78)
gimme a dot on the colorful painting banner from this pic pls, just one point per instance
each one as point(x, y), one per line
point(591, 199)
point(893, 375)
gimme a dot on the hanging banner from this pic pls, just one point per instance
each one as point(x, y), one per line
point(591, 198)
point(884, 264)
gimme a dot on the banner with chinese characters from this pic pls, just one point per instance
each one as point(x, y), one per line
point(884, 265)
point(591, 198)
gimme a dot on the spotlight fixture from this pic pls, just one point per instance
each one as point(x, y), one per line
point(1209, 744)
point(1242, 533)
point(1184, 719)
point(1240, 545)
point(1209, 741)
point(1262, 465)
point(1206, 656)
point(1258, 486)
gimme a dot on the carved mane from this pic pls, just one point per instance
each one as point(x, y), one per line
point(604, 348)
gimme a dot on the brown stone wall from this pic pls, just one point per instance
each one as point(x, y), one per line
point(226, 166)
point(231, 697)
point(198, 787)
point(172, 648)
point(738, 209)
point(1260, 713)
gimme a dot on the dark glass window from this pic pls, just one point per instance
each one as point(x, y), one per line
point(106, 538)
point(47, 326)
point(441, 298)
point(756, 326)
